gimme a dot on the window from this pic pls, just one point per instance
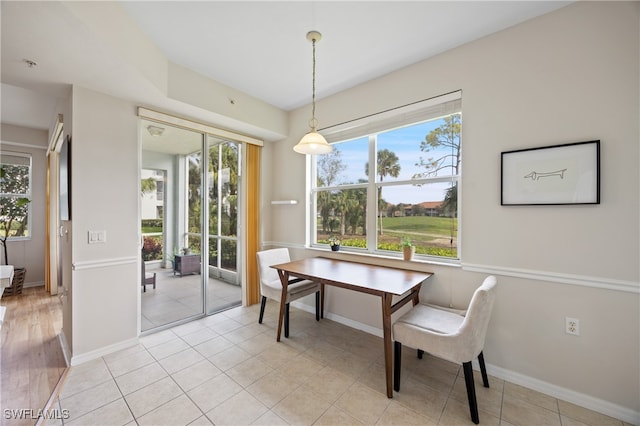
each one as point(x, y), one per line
point(15, 195)
point(392, 177)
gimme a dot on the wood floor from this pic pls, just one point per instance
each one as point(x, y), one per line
point(31, 360)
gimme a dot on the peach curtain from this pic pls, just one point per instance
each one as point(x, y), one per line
point(253, 223)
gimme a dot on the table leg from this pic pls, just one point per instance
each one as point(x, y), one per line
point(284, 280)
point(388, 353)
point(416, 296)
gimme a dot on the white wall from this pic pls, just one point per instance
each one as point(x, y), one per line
point(569, 76)
point(29, 253)
point(105, 194)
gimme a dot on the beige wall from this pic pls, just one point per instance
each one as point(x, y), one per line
point(30, 253)
point(105, 169)
point(569, 76)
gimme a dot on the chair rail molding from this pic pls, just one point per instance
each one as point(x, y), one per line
point(573, 279)
point(102, 263)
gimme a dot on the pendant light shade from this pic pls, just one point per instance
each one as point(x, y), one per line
point(313, 142)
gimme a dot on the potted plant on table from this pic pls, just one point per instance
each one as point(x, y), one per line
point(408, 249)
point(334, 243)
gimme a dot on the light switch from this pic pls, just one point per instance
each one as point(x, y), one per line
point(97, 237)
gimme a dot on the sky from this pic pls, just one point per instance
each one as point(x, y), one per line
point(405, 143)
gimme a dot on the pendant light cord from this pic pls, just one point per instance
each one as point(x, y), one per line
point(313, 88)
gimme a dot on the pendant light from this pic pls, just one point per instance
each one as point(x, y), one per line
point(313, 142)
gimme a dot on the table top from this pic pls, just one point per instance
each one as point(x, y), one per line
point(6, 275)
point(362, 277)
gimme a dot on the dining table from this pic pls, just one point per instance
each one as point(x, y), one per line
point(6, 277)
point(383, 281)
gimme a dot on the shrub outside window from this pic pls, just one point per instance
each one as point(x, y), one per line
point(408, 195)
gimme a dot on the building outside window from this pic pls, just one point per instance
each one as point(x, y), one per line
point(392, 179)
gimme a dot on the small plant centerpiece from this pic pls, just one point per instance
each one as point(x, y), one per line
point(408, 249)
point(334, 242)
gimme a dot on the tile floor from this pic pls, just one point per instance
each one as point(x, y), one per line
point(227, 369)
point(178, 297)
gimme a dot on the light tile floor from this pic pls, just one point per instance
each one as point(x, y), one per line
point(179, 297)
point(227, 369)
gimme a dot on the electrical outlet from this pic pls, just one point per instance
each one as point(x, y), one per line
point(572, 326)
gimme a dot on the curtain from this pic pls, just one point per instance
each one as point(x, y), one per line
point(253, 223)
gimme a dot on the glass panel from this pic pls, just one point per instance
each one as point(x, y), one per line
point(341, 215)
point(194, 193)
point(346, 164)
point(424, 214)
point(14, 177)
point(229, 249)
point(152, 207)
point(171, 225)
point(15, 192)
point(228, 183)
point(427, 149)
point(223, 285)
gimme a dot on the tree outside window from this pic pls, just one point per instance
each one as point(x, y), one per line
point(15, 196)
point(414, 184)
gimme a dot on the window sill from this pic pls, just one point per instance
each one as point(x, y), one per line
point(369, 257)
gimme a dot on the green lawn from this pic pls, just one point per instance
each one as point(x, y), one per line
point(420, 225)
point(430, 235)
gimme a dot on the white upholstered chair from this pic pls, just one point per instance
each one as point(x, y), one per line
point(271, 287)
point(448, 335)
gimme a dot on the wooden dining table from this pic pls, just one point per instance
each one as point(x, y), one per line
point(383, 281)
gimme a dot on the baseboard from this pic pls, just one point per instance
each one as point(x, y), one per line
point(595, 404)
point(34, 284)
point(339, 319)
point(65, 348)
point(582, 400)
point(106, 350)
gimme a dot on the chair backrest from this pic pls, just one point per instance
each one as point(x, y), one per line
point(143, 269)
point(474, 327)
point(266, 258)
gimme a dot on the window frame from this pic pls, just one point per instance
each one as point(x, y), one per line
point(400, 118)
point(28, 195)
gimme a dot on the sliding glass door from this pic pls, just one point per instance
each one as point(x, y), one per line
point(189, 224)
point(223, 284)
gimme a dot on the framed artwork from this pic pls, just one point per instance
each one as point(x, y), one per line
point(65, 179)
point(551, 175)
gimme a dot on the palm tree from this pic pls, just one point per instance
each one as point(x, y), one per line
point(388, 165)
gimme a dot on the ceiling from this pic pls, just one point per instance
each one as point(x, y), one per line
point(259, 47)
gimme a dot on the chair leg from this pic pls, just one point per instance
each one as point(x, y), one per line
point(483, 370)
point(286, 321)
point(262, 305)
point(317, 306)
point(420, 353)
point(471, 391)
point(144, 288)
point(397, 365)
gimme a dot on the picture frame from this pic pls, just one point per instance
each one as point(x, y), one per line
point(551, 175)
point(65, 179)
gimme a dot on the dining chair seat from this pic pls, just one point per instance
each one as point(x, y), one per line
point(446, 334)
